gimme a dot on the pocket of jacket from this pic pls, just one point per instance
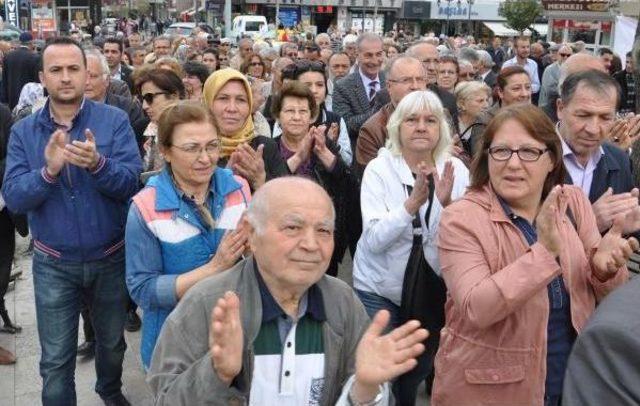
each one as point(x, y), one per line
point(494, 376)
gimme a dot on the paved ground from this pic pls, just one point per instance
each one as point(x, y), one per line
point(20, 384)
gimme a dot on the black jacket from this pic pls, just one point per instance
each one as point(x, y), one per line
point(20, 67)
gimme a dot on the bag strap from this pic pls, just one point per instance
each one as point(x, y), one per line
point(417, 226)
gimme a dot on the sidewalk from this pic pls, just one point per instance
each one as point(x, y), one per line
point(20, 384)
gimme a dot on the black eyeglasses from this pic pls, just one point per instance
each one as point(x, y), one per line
point(149, 97)
point(527, 154)
point(565, 55)
point(256, 64)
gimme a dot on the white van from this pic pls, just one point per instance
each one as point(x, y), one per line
point(249, 25)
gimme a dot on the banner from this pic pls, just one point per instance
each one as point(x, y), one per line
point(576, 5)
point(11, 12)
point(42, 16)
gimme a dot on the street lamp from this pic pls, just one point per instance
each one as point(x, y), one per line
point(470, 5)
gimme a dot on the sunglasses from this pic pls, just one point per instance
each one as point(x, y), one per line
point(255, 64)
point(565, 55)
point(149, 97)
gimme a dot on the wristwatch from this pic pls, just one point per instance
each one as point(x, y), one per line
point(373, 402)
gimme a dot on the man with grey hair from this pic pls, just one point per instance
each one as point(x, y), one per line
point(354, 97)
point(485, 70)
point(471, 55)
point(587, 111)
point(404, 74)
point(289, 50)
point(323, 41)
point(275, 329)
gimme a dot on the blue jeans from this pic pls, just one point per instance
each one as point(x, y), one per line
point(404, 387)
point(374, 303)
point(60, 288)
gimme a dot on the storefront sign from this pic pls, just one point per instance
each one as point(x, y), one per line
point(42, 16)
point(454, 10)
point(11, 12)
point(576, 5)
point(417, 10)
point(288, 17)
point(215, 7)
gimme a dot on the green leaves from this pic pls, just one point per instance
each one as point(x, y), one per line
point(520, 14)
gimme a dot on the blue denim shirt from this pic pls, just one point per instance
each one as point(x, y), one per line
point(560, 331)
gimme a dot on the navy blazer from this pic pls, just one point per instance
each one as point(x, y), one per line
point(613, 170)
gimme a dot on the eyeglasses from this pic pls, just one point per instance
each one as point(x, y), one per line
point(406, 81)
point(468, 75)
point(527, 154)
point(565, 55)
point(149, 97)
point(195, 150)
point(256, 64)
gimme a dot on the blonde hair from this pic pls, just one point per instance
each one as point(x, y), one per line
point(466, 90)
point(413, 103)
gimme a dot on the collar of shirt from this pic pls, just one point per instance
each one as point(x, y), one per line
point(366, 80)
point(59, 125)
point(310, 303)
point(567, 152)
point(118, 74)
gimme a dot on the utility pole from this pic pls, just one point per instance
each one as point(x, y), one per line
point(227, 18)
point(375, 14)
point(277, 13)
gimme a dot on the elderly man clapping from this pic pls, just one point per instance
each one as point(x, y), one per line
point(274, 329)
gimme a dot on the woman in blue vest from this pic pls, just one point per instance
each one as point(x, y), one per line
point(181, 226)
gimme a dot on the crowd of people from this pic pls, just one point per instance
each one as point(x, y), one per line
point(486, 193)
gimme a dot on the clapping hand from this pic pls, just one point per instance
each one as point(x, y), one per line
point(381, 358)
point(304, 151)
point(609, 206)
point(54, 152)
point(226, 338)
point(444, 184)
point(547, 221)
point(614, 250)
point(249, 163)
point(83, 153)
point(625, 131)
point(323, 153)
point(231, 247)
point(334, 131)
point(420, 192)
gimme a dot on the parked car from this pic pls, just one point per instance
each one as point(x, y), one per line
point(185, 29)
point(249, 26)
point(9, 32)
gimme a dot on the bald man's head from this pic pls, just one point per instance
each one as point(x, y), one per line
point(579, 63)
point(282, 194)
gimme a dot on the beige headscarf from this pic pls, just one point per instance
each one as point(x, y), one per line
point(216, 81)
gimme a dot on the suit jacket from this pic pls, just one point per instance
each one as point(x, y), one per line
point(125, 76)
point(613, 170)
point(129, 106)
point(373, 135)
point(603, 366)
point(491, 79)
point(120, 88)
point(351, 102)
point(20, 67)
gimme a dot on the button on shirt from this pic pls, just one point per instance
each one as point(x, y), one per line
point(368, 85)
point(289, 353)
point(581, 175)
point(532, 69)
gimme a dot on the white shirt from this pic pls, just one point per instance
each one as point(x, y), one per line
point(532, 69)
point(581, 175)
point(366, 82)
point(118, 74)
point(387, 231)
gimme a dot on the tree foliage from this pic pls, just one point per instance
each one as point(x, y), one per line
point(520, 14)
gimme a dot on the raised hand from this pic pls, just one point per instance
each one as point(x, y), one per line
point(231, 247)
point(547, 221)
point(334, 131)
point(304, 151)
point(225, 338)
point(610, 206)
point(444, 184)
point(381, 358)
point(249, 164)
point(323, 153)
point(83, 153)
point(54, 152)
point(613, 250)
point(420, 192)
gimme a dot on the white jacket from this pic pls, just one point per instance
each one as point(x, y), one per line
point(387, 231)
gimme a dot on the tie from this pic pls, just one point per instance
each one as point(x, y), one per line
point(372, 90)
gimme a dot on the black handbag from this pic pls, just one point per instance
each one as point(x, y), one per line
point(423, 291)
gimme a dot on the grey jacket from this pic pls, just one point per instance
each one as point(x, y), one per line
point(603, 366)
point(182, 373)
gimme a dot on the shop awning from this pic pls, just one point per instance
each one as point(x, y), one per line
point(501, 30)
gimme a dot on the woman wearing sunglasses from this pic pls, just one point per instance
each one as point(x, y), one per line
point(157, 88)
point(525, 266)
point(228, 95)
point(182, 226)
point(254, 67)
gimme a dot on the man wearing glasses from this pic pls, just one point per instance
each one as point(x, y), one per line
point(549, 87)
point(404, 74)
point(72, 167)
